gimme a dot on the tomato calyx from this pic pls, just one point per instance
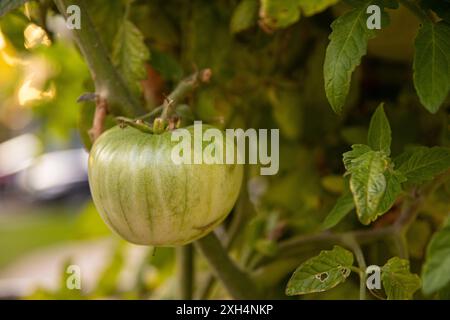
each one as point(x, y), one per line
point(159, 125)
point(167, 117)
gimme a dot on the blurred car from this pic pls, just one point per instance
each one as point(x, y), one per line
point(46, 177)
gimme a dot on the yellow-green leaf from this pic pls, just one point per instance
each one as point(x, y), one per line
point(130, 54)
point(244, 16)
point(322, 272)
point(368, 184)
point(275, 14)
point(312, 7)
point(398, 282)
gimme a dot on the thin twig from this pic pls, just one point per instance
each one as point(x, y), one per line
point(179, 93)
point(138, 124)
point(356, 248)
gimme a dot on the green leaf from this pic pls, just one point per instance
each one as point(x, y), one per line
point(357, 151)
point(342, 208)
point(436, 269)
point(9, 5)
point(379, 136)
point(322, 272)
point(422, 164)
point(398, 282)
point(276, 14)
point(348, 43)
point(432, 64)
point(107, 19)
point(244, 16)
point(130, 54)
point(374, 183)
point(368, 184)
point(394, 180)
point(312, 7)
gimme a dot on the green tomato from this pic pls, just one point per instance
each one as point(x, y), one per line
point(148, 199)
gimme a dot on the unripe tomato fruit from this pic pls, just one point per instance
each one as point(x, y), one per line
point(148, 199)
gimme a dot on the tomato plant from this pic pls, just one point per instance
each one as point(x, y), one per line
point(364, 152)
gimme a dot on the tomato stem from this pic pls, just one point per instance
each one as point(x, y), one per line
point(185, 256)
point(238, 283)
point(108, 82)
point(138, 124)
point(185, 87)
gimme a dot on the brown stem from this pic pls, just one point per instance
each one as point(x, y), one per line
point(101, 111)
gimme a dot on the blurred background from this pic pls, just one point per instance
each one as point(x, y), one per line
point(47, 219)
point(267, 73)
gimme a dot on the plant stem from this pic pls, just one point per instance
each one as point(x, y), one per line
point(180, 92)
point(101, 111)
point(401, 245)
point(135, 124)
point(152, 113)
point(108, 83)
point(238, 283)
point(355, 247)
point(185, 255)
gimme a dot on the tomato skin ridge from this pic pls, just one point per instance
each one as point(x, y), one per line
point(149, 200)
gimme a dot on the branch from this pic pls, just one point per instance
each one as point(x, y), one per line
point(356, 248)
point(189, 84)
point(108, 83)
point(238, 283)
point(101, 111)
point(232, 232)
point(243, 210)
point(185, 87)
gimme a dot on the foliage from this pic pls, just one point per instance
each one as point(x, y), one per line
point(321, 273)
point(364, 148)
